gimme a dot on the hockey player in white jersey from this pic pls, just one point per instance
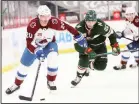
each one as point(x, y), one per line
point(41, 43)
point(130, 33)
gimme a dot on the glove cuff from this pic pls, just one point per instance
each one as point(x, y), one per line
point(115, 45)
point(88, 50)
point(78, 37)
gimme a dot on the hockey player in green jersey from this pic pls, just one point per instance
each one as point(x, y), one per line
point(95, 31)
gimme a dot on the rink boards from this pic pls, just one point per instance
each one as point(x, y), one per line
point(13, 43)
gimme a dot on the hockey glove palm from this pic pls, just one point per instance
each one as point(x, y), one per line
point(81, 40)
point(115, 49)
point(39, 53)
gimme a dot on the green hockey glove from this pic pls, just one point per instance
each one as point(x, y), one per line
point(115, 49)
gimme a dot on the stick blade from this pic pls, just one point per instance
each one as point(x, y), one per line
point(25, 98)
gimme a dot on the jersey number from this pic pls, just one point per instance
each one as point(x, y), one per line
point(106, 28)
point(62, 25)
point(29, 35)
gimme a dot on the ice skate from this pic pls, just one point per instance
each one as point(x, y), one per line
point(12, 89)
point(77, 80)
point(132, 66)
point(87, 72)
point(120, 67)
point(51, 85)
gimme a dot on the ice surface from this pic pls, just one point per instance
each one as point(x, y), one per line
point(108, 86)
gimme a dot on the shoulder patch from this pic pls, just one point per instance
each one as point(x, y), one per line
point(54, 21)
point(32, 24)
point(137, 20)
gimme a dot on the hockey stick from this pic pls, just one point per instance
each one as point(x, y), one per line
point(128, 39)
point(4, 11)
point(36, 78)
point(112, 52)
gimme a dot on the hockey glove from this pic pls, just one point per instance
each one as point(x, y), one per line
point(81, 40)
point(119, 34)
point(88, 51)
point(115, 49)
point(91, 54)
point(136, 38)
point(39, 53)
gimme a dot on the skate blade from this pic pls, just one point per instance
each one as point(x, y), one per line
point(73, 86)
point(52, 91)
point(133, 66)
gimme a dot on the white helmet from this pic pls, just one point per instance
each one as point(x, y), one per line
point(130, 10)
point(43, 10)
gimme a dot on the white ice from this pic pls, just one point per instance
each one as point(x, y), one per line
point(108, 86)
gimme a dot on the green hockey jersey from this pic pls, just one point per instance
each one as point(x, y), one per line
point(98, 33)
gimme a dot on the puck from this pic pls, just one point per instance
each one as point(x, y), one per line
point(42, 99)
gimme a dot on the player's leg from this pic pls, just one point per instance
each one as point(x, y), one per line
point(136, 56)
point(81, 70)
point(51, 52)
point(87, 73)
point(100, 62)
point(137, 59)
point(27, 60)
point(124, 57)
point(136, 62)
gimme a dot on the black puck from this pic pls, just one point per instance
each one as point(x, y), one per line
point(42, 99)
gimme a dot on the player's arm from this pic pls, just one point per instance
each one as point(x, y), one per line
point(136, 21)
point(29, 40)
point(79, 38)
point(110, 33)
point(132, 28)
point(82, 50)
